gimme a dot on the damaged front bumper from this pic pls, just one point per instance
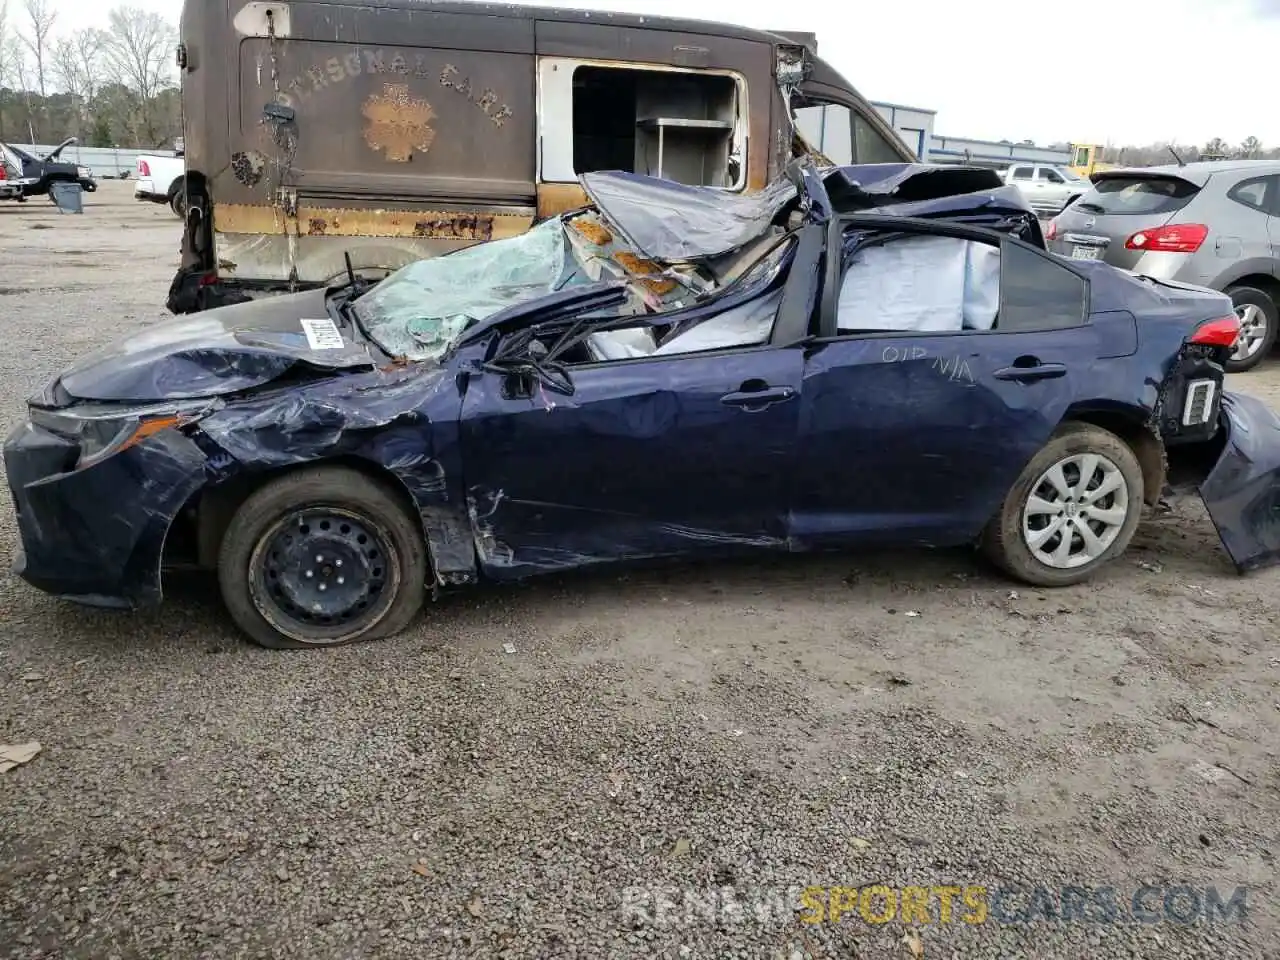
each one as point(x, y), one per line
point(95, 534)
point(1242, 491)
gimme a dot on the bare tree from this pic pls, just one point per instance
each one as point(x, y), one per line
point(138, 49)
point(41, 16)
point(6, 45)
point(4, 42)
point(77, 66)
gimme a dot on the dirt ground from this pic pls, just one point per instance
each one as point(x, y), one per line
point(662, 744)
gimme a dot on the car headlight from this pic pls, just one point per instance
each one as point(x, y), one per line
point(102, 432)
point(84, 173)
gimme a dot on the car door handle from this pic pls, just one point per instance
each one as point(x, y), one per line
point(753, 400)
point(1032, 372)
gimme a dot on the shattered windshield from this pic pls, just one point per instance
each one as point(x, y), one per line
point(420, 309)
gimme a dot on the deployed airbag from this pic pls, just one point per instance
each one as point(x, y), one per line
point(924, 284)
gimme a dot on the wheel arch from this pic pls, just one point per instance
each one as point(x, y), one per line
point(1132, 425)
point(1249, 275)
point(209, 511)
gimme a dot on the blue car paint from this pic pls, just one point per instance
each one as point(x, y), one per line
point(1242, 492)
point(876, 439)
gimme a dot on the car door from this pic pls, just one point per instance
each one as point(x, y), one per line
point(1252, 233)
point(916, 422)
point(1053, 186)
point(650, 456)
point(1024, 178)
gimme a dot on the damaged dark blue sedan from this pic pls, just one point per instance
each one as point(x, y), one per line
point(855, 356)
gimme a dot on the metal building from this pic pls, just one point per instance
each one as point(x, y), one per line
point(913, 124)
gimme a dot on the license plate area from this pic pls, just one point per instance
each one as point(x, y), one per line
point(1086, 253)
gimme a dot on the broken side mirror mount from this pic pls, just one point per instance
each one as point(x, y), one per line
point(525, 370)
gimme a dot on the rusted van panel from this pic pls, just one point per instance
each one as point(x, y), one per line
point(399, 129)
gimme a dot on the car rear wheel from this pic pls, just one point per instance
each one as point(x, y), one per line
point(1257, 313)
point(1073, 509)
point(322, 557)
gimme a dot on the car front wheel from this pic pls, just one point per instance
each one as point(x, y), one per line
point(1073, 509)
point(1257, 313)
point(322, 557)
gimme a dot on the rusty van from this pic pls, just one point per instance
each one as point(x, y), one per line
point(389, 131)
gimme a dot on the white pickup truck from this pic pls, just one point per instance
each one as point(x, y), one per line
point(1049, 189)
point(160, 179)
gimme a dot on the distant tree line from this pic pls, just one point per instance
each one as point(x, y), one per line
point(112, 87)
point(1156, 154)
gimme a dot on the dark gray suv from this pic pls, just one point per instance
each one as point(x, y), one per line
point(1211, 224)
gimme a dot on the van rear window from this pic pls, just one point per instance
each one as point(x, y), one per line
point(1137, 195)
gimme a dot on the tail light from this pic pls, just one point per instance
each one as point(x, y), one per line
point(1051, 232)
point(1172, 238)
point(3, 174)
point(143, 169)
point(1218, 333)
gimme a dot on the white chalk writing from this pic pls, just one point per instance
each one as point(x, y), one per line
point(954, 368)
point(901, 354)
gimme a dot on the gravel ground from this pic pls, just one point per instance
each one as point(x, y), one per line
point(899, 719)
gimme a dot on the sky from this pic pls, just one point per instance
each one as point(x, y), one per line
point(1119, 71)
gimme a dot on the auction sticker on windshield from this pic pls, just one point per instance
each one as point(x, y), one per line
point(322, 333)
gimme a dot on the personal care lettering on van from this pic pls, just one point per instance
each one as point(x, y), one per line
point(337, 70)
point(486, 101)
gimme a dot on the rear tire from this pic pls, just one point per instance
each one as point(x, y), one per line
point(1258, 322)
point(1025, 539)
point(178, 200)
point(322, 557)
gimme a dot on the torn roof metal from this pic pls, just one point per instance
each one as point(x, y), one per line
point(675, 222)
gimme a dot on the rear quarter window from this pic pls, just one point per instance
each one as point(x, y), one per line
point(1138, 195)
point(1039, 293)
point(1258, 193)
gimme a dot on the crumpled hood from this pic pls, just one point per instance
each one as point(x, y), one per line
point(209, 354)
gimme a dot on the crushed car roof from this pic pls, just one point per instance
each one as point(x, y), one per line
point(675, 222)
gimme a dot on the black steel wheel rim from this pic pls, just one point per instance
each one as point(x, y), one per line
point(322, 574)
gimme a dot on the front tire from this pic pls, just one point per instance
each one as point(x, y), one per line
point(322, 557)
point(1258, 315)
point(1073, 509)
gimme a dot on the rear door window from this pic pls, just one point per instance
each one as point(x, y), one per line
point(1117, 196)
point(1021, 173)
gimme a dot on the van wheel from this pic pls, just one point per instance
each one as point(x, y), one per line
point(1257, 313)
point(322, 557)
point(1073, 509)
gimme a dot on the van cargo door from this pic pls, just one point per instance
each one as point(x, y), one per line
point(387, 133)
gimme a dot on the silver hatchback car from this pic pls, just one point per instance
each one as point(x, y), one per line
point(1213, 224)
